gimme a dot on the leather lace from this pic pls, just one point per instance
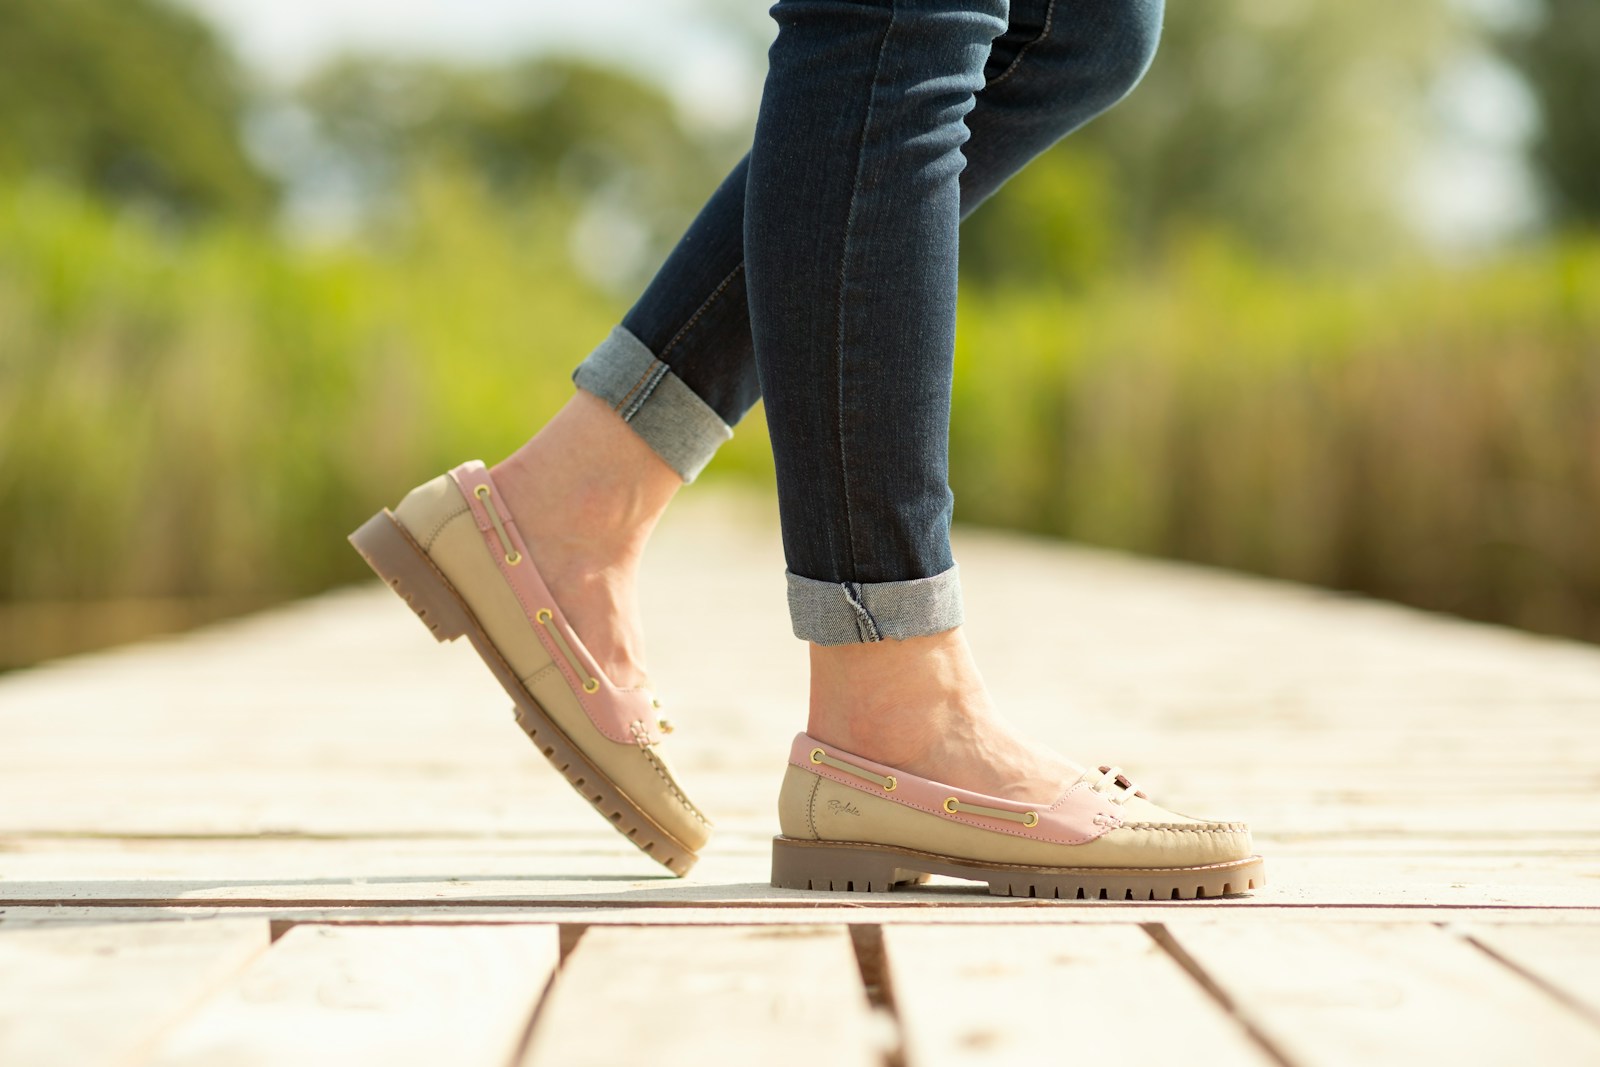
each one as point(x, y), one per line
point(513, 557)
point(1114, 784)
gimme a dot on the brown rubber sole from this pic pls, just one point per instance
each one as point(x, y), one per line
point(848, 866)
point(397, 558)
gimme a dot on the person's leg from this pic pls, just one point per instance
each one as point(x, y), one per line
point(851, 219)
point(1055, 68)
point(679, 368)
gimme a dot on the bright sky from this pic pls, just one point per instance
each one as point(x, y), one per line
point(710, 56)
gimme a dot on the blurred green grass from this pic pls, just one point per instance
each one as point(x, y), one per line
point(1431, 436)
point(207, 416)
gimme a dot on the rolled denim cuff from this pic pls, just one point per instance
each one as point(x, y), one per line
point(682, 428)
point(843, 613)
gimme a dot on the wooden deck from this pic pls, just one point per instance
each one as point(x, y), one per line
point(314, 836)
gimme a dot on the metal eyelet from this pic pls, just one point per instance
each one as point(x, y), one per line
point(950, 805)
point(1031, 820)
point(816, 755)
point(591, 685)
point(543, 615)
point(888, 786)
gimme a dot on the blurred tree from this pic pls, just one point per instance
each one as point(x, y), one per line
point(1288, 125)
point(607, 144)
point(1557, 52)
point(131, 99)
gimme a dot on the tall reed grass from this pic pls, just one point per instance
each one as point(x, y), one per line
point(207, 416)
point(1432, 436)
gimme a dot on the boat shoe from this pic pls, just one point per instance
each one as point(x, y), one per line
point(453, 552)
point(851, 824)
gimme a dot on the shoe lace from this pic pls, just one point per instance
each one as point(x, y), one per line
point(1114, 784)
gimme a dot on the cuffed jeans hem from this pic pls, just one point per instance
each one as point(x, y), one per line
point(682, 428)
point(843, 613)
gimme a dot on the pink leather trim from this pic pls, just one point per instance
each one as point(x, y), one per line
point(626, 716)
point(1081, 814)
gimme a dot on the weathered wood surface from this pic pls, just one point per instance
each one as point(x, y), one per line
point(784, 996)
point(1400, 995)
point(1052, 994)
point(100, 994)
point(1427, 792)
point(1247, 992)
point(421, 995)
point(1563, 959)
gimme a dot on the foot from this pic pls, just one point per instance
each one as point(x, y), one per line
point(920, 704)
point(586, 492)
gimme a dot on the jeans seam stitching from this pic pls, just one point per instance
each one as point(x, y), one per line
point(716, 294)
point(844, 267)
point(653, 370)
point(866, 625)
point(649, 389)
point(1044, 31)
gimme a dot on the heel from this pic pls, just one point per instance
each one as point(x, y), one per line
point(838, 866)
point(400, 561)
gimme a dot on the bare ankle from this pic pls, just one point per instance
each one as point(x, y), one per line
point(921, 705)
point(891, 699)
point(587, 485)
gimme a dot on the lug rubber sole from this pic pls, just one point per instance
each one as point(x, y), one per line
point(396, 557)
point(848, 866)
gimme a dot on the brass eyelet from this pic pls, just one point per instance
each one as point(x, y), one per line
point(481, 492)
point(543, 615)
point(816, 755)
point(1031, 820)
point(514, 558)
point(591, 685)
point(950, 805)
point(888, 786)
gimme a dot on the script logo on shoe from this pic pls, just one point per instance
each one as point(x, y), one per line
point(843, 807)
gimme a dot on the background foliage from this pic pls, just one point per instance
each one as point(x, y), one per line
point(1200, 328)
point(134, 100)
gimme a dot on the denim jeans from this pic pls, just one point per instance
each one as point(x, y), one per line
point(821, 277)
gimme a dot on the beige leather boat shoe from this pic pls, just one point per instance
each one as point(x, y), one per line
point(851, 824)
point(452, 551)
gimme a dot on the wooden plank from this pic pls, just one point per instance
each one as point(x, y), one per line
point(1565, 958)
point(110, 867)
point(696, 913)
point(1049, 994)
point(1295, 884)
point(422, 995)
point(102, 994)
point(1377, 994)
point(786, 996)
